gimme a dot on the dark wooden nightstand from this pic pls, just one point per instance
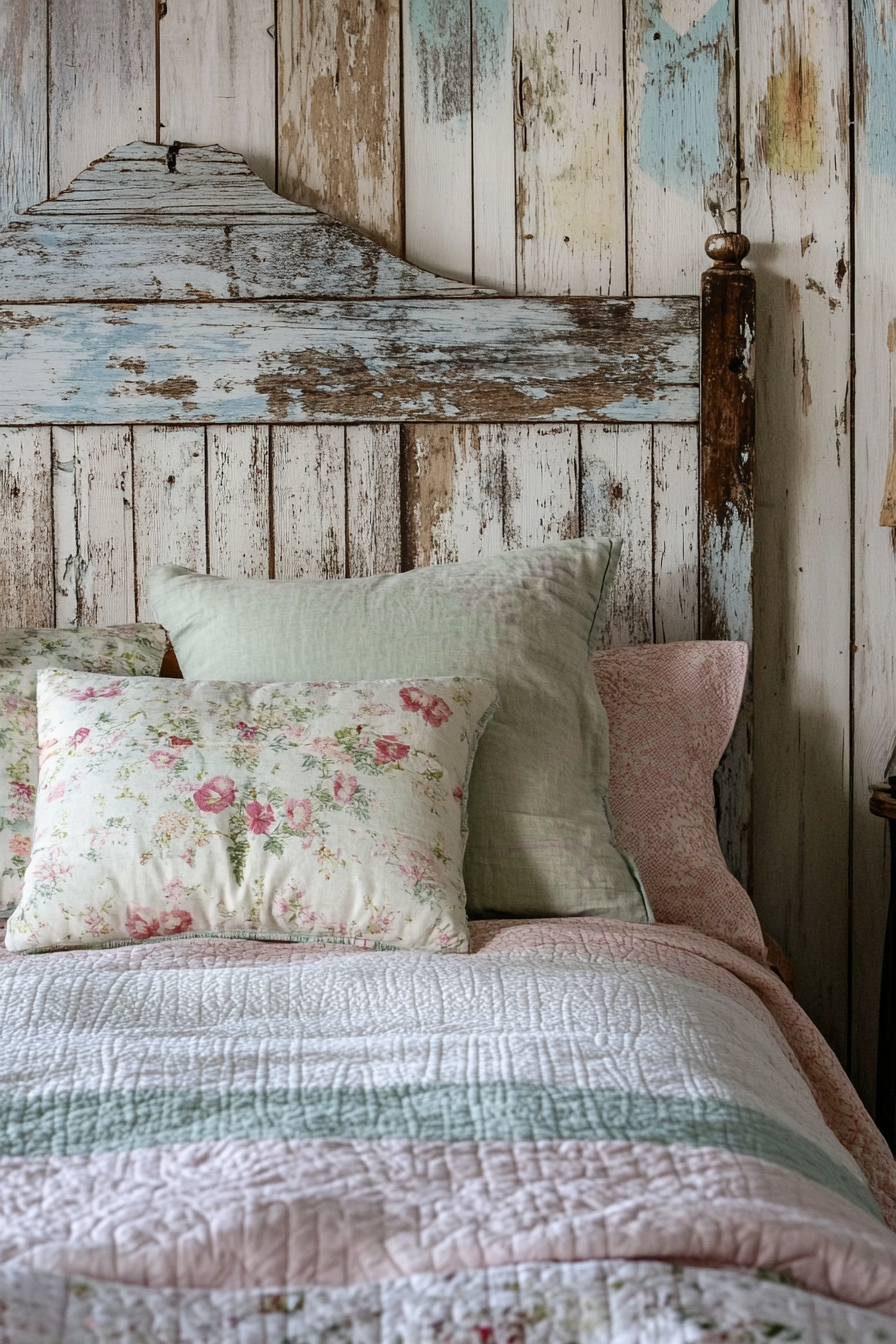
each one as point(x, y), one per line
point(883, 805)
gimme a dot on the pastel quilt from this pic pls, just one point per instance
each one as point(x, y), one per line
point(585, 1130)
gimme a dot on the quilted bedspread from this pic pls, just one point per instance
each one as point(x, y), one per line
point(585, 1130)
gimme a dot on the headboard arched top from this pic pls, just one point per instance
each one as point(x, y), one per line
point(166, 286)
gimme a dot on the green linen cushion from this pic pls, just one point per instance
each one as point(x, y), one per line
point(540, 838)
point(312, 813)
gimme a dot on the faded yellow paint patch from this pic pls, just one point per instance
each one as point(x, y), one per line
point(789, 119)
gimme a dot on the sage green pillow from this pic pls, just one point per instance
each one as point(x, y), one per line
point(540, 840)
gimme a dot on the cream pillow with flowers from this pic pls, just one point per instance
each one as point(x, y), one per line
point(312, 812)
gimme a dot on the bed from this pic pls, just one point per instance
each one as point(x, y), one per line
point(588, 1128)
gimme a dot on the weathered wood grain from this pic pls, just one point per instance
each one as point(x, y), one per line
point(438, 136)
point(490, 359)
point(340, 111)
point(455, 494)
point(727, 435)
point(494, 182)
point(26, 534)
point(617, 501)
point(135, 184)
point(373, 499)
point(795, 96)
point(541, 482)
point(93, 520)
point(874, 702)
point(682, 138)
point(676, 533)
point(240, 257)
point(217, 77)
point(570, 152)
point(169, 503)
point(239, 500)
point(308, 492)
point(102, 81)
point(23, 98)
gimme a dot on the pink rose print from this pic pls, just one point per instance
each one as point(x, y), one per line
point(91, 692)
point(246, 733)
point(57, 792)
point(215, 795)
point(459, 792)
point(141, 922)
point(181, 741)
point(21, 790)
point(298, 813)
point(432, 708)
point(165, 758)
point(329, 747)
point(78, 737)
point(21, 845)
point(259, 818)
point(174, 921)
point(174, 890)
point(388, 749)
point(344, 788)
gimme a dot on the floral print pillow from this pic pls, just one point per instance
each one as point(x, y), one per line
point(315, 812)
point(134, 650)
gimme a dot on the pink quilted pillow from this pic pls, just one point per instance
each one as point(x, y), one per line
point(671, 709)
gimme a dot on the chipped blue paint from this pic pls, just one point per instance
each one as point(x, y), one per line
point(439, 37)
point(682, 141)
point(490, 23)
point(876, 101)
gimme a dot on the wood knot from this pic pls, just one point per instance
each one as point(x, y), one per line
point(727, 249)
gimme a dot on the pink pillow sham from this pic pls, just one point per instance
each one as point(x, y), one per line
point(671, 709)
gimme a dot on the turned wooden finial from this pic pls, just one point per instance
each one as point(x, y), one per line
point(727, 249)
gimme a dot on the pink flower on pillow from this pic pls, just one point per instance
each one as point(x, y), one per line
point(141, 922)
point(215, 795)
point(298, 813)
point(432, 708)
point(259, 818)
point(459, 792)
point(388, 749)
point(91, 692)
point(329, 747)
point(344, 787)
point(174, 921)
point(165, 758)
point(246, 733)
point(20, 844)
point(21, 790)
point(78, 737)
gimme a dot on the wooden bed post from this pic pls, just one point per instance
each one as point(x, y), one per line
point(727, 440)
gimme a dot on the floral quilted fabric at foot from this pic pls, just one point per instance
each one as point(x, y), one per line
point(317, 812)
point(132, 650)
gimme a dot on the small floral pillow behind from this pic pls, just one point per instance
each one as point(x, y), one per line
point(324, 812)
point(132, 650)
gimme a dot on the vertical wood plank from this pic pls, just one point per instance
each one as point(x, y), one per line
point(682, 138)
point(217, 72)
point(455, 493)
point(308, 486)
point(676, 532)
point(238, 474)
point(438, 136)
point(102, 85)
point(795, 101)
point(93, 525)
point(169, 502)
point(340, 111)
point(875, 553)
point(541, 482)
point(569, 147)
point(26, 536)
point(373, 489)
point(494, 180)
point(617, 501)
point(23, 98)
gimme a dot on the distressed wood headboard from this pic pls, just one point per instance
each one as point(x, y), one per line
point(198, 371)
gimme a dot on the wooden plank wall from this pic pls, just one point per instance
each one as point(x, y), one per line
point(540, 146)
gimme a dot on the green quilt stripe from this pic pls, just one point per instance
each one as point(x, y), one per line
point(80, 1123)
